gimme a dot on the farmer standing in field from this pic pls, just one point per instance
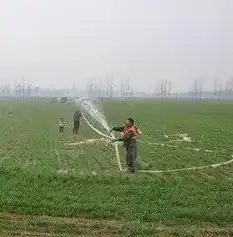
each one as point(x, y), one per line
point(129, 132)
point(77, 116)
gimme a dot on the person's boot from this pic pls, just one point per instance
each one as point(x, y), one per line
point(130, 170)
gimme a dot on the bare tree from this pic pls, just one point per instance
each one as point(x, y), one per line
point(7, 90)
point(122, 89)
point(2, 90)
point(169, 88)
point(158, 90)
point(131, 93)
point(229, 87)
point(23, 91)
point(165, 88)
point(195, 90)
point(37, 91)
point(218, 89)
point(200, 89)
point(128, 88)
point(215, 89)
point(18, 91)
point(110, 87)
point(220, 92)
point(161, 90)
point(29, 94)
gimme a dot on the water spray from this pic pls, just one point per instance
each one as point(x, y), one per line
point(88, 108)
point(95, 129)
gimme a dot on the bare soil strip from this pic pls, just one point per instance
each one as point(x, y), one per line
point(30, 225)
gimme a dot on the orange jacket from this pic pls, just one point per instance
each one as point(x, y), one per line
point(130, 130)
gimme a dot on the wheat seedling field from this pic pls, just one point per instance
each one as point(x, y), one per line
point(54, 184)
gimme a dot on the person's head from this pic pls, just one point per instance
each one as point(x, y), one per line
point(129, 122)
point(62, 118)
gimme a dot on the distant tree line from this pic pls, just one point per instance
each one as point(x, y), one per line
point(220, 90)
point(21, 91)
point(110, 91)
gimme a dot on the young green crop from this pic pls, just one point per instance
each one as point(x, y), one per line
point(41, 175)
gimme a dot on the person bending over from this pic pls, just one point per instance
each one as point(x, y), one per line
point(77, 116)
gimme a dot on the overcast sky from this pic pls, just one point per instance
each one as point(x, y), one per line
point(55, 43)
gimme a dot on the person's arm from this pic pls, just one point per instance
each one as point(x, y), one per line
point(126, 137)
point(118, 129)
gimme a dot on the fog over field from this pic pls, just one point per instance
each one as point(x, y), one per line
point(58, 43)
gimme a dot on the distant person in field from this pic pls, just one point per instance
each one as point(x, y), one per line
point(129, 132)
point(61, 125)
point(77, 116)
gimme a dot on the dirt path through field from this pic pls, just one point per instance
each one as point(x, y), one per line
point(28, 225)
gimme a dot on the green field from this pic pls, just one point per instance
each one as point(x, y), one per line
point(50, 189)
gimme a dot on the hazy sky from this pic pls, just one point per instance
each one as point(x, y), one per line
point(55, 43)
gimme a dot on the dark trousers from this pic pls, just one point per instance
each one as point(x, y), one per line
point(76, 127)
point(131, 155)
point(61, 129)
